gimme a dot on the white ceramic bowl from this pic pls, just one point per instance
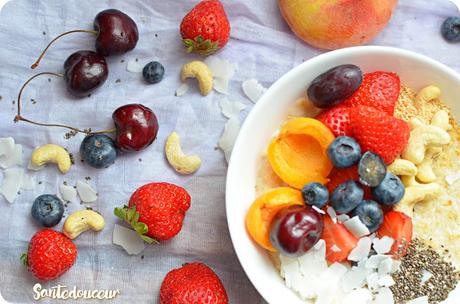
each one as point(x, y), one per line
point(270, 111)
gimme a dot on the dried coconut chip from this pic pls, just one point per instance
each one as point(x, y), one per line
point(342, 218)
point(228, 138)
point(28, 182)
point(426, 275)
point(221, 85)
point(320, 211)
point(134, 66)
point(383, 245)
point(356, 227)
point(253, 89)
point(332, 214)
point(372, 280)
point(12, 159)
point(68, 193)
point(386, 281)
point(334, 248)
point(128, 239)
point(374, 261)
point(85, 192)
point(419, 300)
point(361, 251)
point(220, 68)
point(182, 90)
point(357, 296)
point(384, 296)
point(385, 267)
point(12, 180)
point(231, 109)
point(6, 145)
point(355, 278)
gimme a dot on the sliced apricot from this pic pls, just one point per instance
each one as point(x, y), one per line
point(298, 154)
point(264, 209)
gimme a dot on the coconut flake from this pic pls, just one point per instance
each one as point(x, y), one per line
point(253, 89)
point(128, 239)
point(328, 283)
point(220, 68)
point(361, 251)
point(384, 296)
point(372, 280)
point(331, 212)
point(342, 218)
point(386, 281)
point(358, 296)
point(385, 267)
point(290, 270)
point(12, 181)
point(231, 109)
point(320, 211)
point(395, 266)
point(85, 192)
point(28, 182)
point(182, 90)
point(134, 66)
point(383, 245)
point(221, 85)
point(419, 300)
point(6, 146)
point(355, 226)
point(426, 275)
point(355, 278)
point(228, 138)
point(12, 159)
point(374, 261)
point(68, 193)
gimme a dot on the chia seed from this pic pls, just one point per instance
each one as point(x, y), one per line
point(118, 80)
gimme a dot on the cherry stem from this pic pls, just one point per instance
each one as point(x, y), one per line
point(33, 66)
point(19, 117)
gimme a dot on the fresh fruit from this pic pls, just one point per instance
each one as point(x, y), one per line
point(47, 210)
point(263, 210)
point(380, 133)
point(371, 169)
point(295, 229)
point(298, 154)
point(156, 211)
point(370, 214)
point(137, 127)
point(390, 191)
point(337, 119)
point(379, 90)
point(336, 24)
point(339, 241)
point(346, 196)
point(193, 283)
point(344, 152)
point(315, 194)
point(50, 254)
point(153, 72)
point(398, 226)
point(205, 29)
point(334, 85)
point(98, 150)
point(450, 29)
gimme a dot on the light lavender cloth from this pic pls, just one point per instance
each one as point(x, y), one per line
point(261, 45)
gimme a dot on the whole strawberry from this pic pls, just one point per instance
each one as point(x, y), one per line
point(205, 29)
point(193, 283)
point(50, 254)
point(156, 211)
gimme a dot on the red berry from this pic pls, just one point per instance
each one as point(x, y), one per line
point(205, 29)
point(337, 119)
point(50, 254)
point(398, 226)
point(379, 132)
point(193, 283)
point(339, 238)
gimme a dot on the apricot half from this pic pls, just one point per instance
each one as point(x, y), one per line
point(264, 209)
point(298, 154)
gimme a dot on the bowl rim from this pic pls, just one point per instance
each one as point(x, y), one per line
point(259, 106)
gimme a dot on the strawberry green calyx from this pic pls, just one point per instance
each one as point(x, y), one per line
point(131, 216)
point(23, 259)
point(200, 46)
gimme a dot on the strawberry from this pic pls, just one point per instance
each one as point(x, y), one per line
point(341, 175)
point(156, 211)
point(205, 29)
point(337, 119)
point(398, 226)
point(379, 132)
point(50, 254)
point(193, 283)
point(379, 90)
point(336, 234)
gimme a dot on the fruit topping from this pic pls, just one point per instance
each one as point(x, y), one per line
point(346, 196)
point(380, 133)
point(47, 210)
point(344, 152)
point(334, 85)
point(339, 241)
point(315, 194)
point(296, 229)
point(263, 210)
point(370, 214)
point(371, 169)
point(337, 119)
point(390, 191)
point(98, 150)
point(298, 154)
point(397, 226)
point(450, 29)
point(153, 72)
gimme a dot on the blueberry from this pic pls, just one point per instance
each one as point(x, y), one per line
point(98, 150)
point(346, 196)
point(153, 72)
point(450, 29)
point(344, 152)
point(315, 194)
point(370, 213)
point(371, 169)
point(390, 191)
point(47, 209)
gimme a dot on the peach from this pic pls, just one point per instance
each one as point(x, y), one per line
point(333, 24)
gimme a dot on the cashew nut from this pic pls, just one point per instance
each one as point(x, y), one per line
point(52, 154)
point(82, 220)
point(183, 164)
point(441, 120)
point(402, 167)
point(428, 93)
point(200, 71)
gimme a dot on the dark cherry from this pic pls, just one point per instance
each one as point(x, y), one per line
point(85, 71)
point(295, 230)
point(137, 127)
point(117, 32)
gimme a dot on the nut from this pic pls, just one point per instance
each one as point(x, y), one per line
point(183, 164)
point(428, 93)
point(82, 220)
point(425, 168)
point(52, 154)
point(200, 71)
point(403, 167)
point(441, 120)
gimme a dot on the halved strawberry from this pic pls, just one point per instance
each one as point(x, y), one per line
point(398, 226)
point(337, 119)
point(336, 234)
point(341, 175)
